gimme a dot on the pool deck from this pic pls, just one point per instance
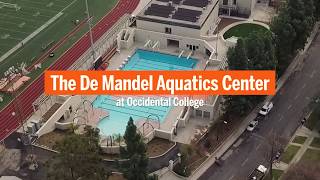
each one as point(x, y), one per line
point(119, 58)
point(174, 112)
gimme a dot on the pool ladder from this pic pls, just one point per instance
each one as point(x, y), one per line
point(191, 52)
point(181, 53)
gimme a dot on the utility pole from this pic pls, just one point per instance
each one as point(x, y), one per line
point(90, 31)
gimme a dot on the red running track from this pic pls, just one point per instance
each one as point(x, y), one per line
point(22, 104)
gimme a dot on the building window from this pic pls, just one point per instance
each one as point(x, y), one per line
point(168, 30)
point(199, 113)
point(206, 114)
point(234, 2)
point(225, 2)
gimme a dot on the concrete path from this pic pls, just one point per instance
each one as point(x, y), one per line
point(304, 132)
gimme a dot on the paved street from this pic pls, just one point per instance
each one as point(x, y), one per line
point(290, 105)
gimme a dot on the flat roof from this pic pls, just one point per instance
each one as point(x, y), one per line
point(184, 13)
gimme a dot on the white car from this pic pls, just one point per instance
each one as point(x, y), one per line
point(258, 173)
point(252, 125)
point(266, 108)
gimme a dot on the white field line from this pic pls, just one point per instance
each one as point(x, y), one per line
point(38, 15)
point(10, 30)
point(49, 26)
point(9, 22)
point(36, 32)
point(17, 39)
point(4, 15)
point(24, 13)
point(69, 5)
point(46, 10)
point(28, 38)
point(44, 4)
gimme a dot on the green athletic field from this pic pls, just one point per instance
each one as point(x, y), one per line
point(17, 25)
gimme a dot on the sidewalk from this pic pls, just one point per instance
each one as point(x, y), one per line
point(304, 132)
point(224, 147)
point(234, 136)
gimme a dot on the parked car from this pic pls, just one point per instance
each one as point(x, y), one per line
point(258, 173)
point(266, 108)
point(253, 124)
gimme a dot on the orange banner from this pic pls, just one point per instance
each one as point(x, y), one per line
point(160, 82)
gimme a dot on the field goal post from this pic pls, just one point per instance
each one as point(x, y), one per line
point(9, 5)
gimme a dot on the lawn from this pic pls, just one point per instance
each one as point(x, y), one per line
point(51, 139)
point(314, 118)
point(276, 173)
point(290, 152)
point(53, 33)
point(299, 139)
point(311, 155)
point(243, 30)
point(315, 142)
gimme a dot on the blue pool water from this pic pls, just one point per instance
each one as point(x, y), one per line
point(118, 117)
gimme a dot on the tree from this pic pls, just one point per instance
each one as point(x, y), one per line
point(135, 151)
point(301, 20)
point(269, 52)
point(317, 9)
point(291, 28)
point(78, 158)
point(237, 59)
point(260, 51)
point(305, 170)
point(285, 35)
point(309, 12)
point(255, 52)
point(236, 105)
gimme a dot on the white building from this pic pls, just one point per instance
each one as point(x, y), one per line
point(239, 8)
point(183, 27)
point(184, 24)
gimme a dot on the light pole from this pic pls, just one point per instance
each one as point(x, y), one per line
point(217, 39)
point(90, 31)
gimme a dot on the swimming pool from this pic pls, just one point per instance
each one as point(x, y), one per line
point(118, 117)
